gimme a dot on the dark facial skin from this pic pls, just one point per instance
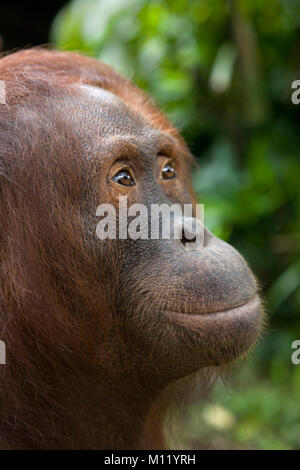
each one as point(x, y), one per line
point(183, 309)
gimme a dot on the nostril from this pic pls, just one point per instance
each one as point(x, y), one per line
point(184, 240)
point(191, 233)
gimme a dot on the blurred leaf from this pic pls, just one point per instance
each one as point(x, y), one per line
point(284, 286)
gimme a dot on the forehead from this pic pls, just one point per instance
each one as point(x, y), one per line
point(105, 114)
point(106, 123)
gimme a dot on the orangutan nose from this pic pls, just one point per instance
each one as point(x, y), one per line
point(190, 232)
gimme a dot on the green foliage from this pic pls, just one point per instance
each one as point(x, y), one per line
point(222, 71)
point(251, 413)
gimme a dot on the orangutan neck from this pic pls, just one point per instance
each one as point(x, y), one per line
point(67, 413)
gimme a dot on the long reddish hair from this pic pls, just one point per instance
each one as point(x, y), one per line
point(56, 380)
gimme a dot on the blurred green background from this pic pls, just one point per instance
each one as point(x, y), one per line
point(222, 71)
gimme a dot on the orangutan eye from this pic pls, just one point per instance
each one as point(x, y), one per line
point(168, 172)
point(124, 178)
